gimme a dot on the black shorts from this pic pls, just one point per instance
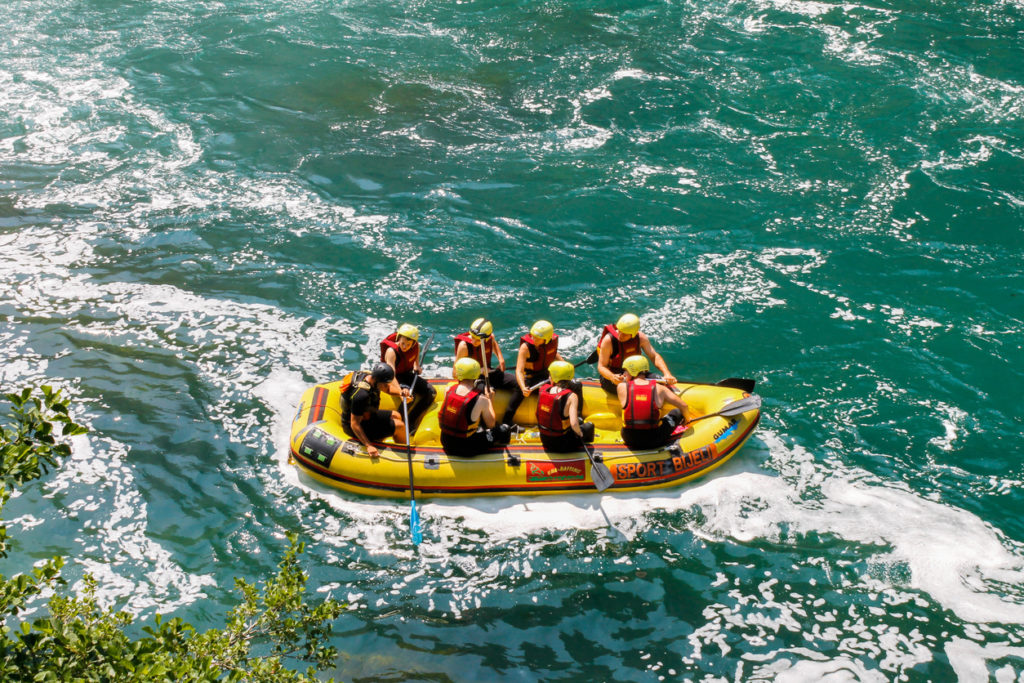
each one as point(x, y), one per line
point(379, 425)
point(568, 442)
point(477, 443)
point(649, 439)
point(498, 379)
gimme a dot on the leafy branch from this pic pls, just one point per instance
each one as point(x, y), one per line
point(81, 641)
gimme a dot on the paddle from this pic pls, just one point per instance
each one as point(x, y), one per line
point(423, 357)
point(735, 408)
point(599, 471)
point(741, 383)
point(589, 360)
point(486, 369)
point(414, 516)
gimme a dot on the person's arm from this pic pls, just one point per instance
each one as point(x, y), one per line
point(497, 354)
point(604, 355)
point(668, 396)
point(394, 388)
point(358, 413)
point(524, 352)
point(621, 391)
point(659, 362)
point(572, 403)
point(484, 409)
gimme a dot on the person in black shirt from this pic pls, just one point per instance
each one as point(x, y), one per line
point(361, 415)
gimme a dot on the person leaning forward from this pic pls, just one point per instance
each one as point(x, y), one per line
point(558, 412)
point(361, 416)
point(641, 399)
point(617, 343)
point(463, 409)
point(479, 344)
point(401, 350)
point(537, 350)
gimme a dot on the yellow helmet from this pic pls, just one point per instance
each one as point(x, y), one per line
point(542, 330)
point(410, 331)
point(634, 365)
point(629, 323)
point(560, 370)
point(481, 328)
point(466, 368)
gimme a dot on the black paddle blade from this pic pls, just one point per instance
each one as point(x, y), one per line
point(601, 476)
point(740, 383)
point(589, 360)
point(598, 471)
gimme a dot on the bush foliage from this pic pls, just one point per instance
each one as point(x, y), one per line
point(79, 640)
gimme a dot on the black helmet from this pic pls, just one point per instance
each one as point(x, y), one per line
point(382, 373)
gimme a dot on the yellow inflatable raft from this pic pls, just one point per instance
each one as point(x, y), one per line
point(322, 450)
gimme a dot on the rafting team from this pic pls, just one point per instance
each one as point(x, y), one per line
point(622, 362)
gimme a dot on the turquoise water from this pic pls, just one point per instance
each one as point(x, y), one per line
point(206, 207)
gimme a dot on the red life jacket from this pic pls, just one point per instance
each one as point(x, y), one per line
point(474, 351)
point(621, 350)
point(455, 412)
point(541, 355)
point(641, 410)
point(405, 361)
point(551, 411)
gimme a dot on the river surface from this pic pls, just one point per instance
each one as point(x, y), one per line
point(206, 207)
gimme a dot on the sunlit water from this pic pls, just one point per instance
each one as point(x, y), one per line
point(206, 207)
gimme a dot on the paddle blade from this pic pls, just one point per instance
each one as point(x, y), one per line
point(589, 360)
point(740, 383)
point(742, 405)
point(414, 525)
point(601, 476)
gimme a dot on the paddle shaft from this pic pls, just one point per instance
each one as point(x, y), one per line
point(486, 368)
point(414, 518)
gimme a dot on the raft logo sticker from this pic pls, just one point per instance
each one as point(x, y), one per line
point(319, 446)
point(660, 469)
point(555, 471)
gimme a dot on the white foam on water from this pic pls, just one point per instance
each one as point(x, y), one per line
point(969, 661)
